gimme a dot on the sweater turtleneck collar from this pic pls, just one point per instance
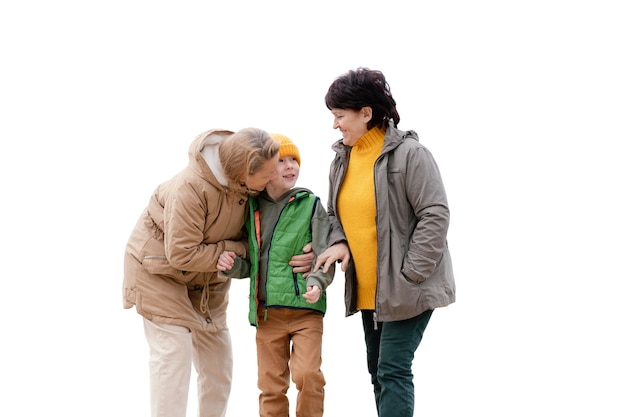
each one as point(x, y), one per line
point(374, 138)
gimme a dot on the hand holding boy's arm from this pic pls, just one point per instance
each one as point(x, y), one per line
point(337, 252)
point(303, 263)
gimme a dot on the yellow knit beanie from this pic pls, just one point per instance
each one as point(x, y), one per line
point(287, 147)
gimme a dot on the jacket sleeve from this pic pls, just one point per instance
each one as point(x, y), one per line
point(427, 196)
point(336, 233)
point(184, 223)
point(320, 230)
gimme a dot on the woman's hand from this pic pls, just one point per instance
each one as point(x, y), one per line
point(303, 263)
point(337, 252)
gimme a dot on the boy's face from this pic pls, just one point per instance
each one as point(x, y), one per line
point(285, 176)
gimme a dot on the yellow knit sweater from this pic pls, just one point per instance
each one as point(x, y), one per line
point(356, 207)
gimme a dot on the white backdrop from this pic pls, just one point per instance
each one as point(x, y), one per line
point(522, 104)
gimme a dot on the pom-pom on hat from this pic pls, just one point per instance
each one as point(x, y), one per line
point(287, 147)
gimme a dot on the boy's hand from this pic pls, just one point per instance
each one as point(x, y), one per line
point(226, 261)
point(312, 294)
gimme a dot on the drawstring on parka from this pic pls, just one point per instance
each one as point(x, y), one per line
point(204, 299)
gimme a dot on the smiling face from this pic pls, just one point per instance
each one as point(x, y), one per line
point(351, 123)
point(284, 178)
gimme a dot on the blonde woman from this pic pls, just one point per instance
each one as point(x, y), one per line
point(170, 273)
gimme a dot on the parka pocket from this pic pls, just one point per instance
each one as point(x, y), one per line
point(159, 265)
point(418, 268)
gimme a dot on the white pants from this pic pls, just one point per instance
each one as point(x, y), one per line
point(172, 351)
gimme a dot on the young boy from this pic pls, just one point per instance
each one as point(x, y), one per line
point(286, 308)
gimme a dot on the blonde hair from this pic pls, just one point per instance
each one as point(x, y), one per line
point(244, 152)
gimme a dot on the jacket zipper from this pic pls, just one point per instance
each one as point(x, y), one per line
point(294, 275)
point(295, 283)
point(375, 315)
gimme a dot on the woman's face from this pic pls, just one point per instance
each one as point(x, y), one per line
point(351, 123)
point(257, 181)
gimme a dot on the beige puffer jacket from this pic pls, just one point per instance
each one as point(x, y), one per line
point(169, 265)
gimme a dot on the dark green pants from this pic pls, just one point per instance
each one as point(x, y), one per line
point(391, 348)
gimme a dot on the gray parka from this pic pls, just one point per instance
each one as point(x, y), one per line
point(414, 265)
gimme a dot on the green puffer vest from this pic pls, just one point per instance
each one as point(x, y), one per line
point(284, 288)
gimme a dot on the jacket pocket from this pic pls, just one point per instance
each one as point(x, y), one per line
point(159, 265)
point(418, 268)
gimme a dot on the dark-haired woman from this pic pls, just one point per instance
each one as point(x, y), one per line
point(389, 216)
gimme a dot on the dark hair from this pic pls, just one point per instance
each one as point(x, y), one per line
point(360, 88)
